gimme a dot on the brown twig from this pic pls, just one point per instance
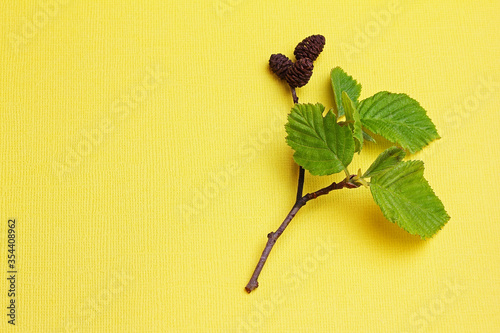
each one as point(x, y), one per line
point(300, 185)
point(272, 237)
point(297, 75)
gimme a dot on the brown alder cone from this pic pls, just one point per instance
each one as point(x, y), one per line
point(299, 74)
point(310, 47)
point(280, 64)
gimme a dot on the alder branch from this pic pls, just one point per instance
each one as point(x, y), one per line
point(272, 237)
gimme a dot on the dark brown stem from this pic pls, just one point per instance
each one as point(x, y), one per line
point(300, 185)
point(294, 96)
point(272, 237)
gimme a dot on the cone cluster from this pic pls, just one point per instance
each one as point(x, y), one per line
point(298, 73)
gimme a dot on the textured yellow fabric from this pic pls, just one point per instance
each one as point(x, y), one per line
point(143, 159)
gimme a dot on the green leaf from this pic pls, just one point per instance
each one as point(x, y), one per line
point(321, 145)
point(405, 198)
point(352, 117)
point(343, 82)
point(399, 119)
point(385, 161)
point(368, 137)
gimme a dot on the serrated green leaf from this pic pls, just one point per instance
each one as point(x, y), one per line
point(385, 161)
point(321, 146)
point(399, 119)
point(343, 82)
point(405, 198)
point(353, 120)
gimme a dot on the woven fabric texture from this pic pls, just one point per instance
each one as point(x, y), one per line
point(143, 157)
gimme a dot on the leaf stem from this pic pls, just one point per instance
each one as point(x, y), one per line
point(272, 237)
point(347, 173)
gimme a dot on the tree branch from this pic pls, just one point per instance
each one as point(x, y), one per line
point(294, 96)
point(300, 185)
point(272, 237)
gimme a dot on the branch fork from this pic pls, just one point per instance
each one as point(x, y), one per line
point(272, 237)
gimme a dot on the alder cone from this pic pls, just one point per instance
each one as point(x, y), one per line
point(310, 47)
point(299, 74)
point(280, 64)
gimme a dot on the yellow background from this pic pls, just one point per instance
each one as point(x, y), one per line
point(160, 222)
